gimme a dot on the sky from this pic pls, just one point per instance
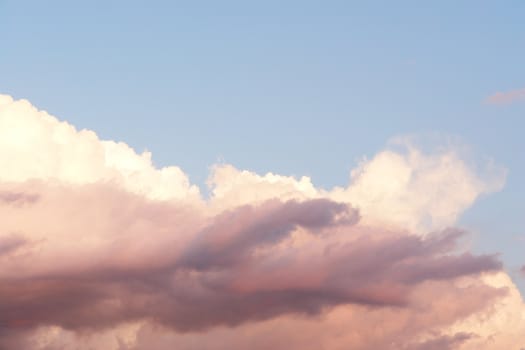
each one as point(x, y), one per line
point(367, 128)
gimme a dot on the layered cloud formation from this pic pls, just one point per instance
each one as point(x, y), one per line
point(101, 250)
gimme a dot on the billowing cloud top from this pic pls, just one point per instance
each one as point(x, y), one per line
point(36, 145)
point(100, 249)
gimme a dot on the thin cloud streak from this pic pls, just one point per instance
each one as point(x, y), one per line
point(507, 97)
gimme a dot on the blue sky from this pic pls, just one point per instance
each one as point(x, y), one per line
point(295, 87)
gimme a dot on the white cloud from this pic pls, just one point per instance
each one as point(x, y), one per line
point(35, 145)
point(417, 191)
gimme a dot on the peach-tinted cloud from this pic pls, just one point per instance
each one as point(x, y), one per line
point(35, 144)
point(507, 97)
point(9, 243)
point(17, 198)
point(228, 269)
point(442, 342)
point(99, 249)
point(386, 189)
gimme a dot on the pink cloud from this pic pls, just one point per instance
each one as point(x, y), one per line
point(442, 342)
point(353, 326)
point(17, 198)
point(508, 97)
point(230, 269)
point(101, 250)
point(10, 243)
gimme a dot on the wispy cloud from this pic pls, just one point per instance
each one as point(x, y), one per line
point(507, 97)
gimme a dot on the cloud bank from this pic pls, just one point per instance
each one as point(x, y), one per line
point(101, 250)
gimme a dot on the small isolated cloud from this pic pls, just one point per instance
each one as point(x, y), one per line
point(101, 250)
point(507, 97)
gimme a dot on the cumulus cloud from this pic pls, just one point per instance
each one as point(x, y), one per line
point(418, 191)
point(507, 97)
point(35, 145)
point(99, 249)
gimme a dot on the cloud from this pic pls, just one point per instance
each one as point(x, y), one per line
point(35, 145)
point(16, 198)
point(235, 267)
point(99, 249)
point(10, 243)
point(507, 97)
point(443, 342)
point(386, 188)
